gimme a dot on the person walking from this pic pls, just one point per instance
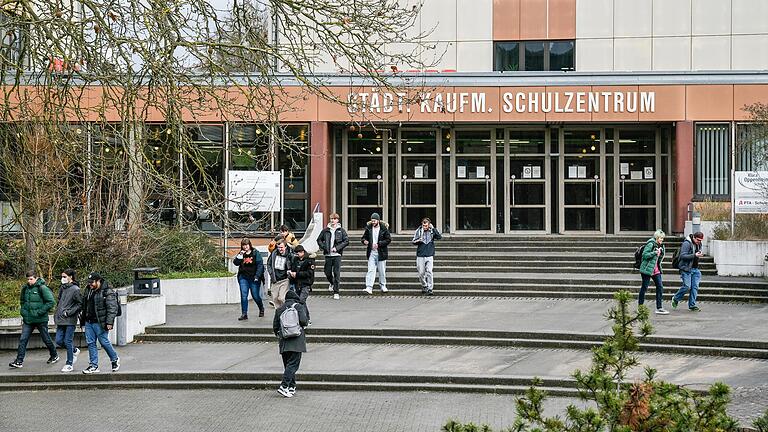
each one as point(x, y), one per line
point(650, 268)
point(291, 345)
point(690, 275)
point(249, 273)
point(100, 308)
point(36, 300)
point(303, 276)
point(377, 238)
point(332, 241)
point(67, 309)
point(278, 266)
point(424, 239)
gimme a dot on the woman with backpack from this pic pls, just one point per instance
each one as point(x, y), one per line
point(650, 268)
point(288, 325)
point(67, 310)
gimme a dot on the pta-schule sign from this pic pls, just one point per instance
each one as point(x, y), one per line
point(517, 102)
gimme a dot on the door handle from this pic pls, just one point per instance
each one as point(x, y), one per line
point(622, 194)
point(488, 192)
point(513, 191)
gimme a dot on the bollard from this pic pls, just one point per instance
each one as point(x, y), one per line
point(121, 322)
point(695, 222)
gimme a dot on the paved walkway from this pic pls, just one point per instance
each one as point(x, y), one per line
point(716, 320)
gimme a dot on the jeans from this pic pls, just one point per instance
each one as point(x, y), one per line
point(291, 362)
point(424, 267)
point(94, 331)
point(246, 284)
point(332, 270)
point(690, 282)
point(373, 265)
point(65, 334)
point(659, 289)
point(303, 293)
point(26, 332)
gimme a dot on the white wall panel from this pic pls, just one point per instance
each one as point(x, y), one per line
point(671, 18)
point(474, 56)
point(632, 54)
point(750, 16)
point(711, 53)
point(750, 52)
point(439, 17)
point(594, 19)
point(711, 17)
point(594, 55)
point(672, 53)
point(474, 20)
point(442, 57)
point(632, 18)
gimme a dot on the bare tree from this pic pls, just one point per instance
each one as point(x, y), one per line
point(101, 98)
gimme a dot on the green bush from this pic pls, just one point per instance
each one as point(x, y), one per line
point(9, 297)
point(761, 423)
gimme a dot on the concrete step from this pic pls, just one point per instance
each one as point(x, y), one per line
point(552, 340)
point(510, 268)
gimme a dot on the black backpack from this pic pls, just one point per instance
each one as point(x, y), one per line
point(639, 256)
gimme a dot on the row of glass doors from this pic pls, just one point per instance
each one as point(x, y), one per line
point(494, 180)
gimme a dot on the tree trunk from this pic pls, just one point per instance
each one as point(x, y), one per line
point(31, 234)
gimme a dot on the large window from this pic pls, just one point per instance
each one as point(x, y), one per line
point(713, 161)
point(518, 56)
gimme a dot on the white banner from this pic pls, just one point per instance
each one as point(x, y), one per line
point(254, 191)
point(751, 192)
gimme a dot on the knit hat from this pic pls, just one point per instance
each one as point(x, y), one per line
point(375, 216)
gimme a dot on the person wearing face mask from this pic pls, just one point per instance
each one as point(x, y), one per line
point(250, 271)
point(65, 317)
point(36, 300)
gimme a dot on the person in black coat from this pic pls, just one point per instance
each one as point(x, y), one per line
point(332, 241)
point(377, 238)
point(249, 274)
point(302, 275)
point(290, 348)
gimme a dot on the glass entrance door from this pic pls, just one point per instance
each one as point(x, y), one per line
point(472, 180)
point(639, 190)
point(528, 176)
point(419, 173)
point(365, 177)
point(582, 164)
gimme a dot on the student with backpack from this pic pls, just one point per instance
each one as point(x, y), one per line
point(690, 275)
point(650, 268)
point(36, 300)
point(302, 275)
point(100, 308)
point(288, 325)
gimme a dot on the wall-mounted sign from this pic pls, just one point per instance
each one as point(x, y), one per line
point(751, 192)
point(461, 171)
point(480, 172)
point(624, 168)
point(363, 172)
point(527, 172)
point(254, 191)
point(648, 173)
point(536, 172)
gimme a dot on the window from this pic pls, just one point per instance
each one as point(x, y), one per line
point(712, 161)
point(516, 56)
point(751, 147)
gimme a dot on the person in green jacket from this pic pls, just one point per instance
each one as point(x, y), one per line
point(36, 300)
point(650, 268)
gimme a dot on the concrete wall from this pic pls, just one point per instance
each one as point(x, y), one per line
point(201, 291)
point(739, 258)
point(149, 310)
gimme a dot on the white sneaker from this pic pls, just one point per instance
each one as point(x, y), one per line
point(368, 290)
point(384, 289)
point(285, 392)
point(67, 368)
point(330, 287)
point(335, 296)
point(662, 311)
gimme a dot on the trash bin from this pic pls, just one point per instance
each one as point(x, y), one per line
point(145, 281)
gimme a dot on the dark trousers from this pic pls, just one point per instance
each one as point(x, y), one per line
point(303, 293)
point(291, 362)
point(659, 289)
point(332, 270)
point(26, 332)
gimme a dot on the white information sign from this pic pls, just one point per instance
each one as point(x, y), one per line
point(254, 191)
point(648, 173)
point(582, 172)
point(636, 175)
point(527, 172)
point(418, 171)
point(461, 171)
point(536, 172)
point(572, 171)
point(624, 168)
point(751, 192)
point(363, 172)
point(481, 172)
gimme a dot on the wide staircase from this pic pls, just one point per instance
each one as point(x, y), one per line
point(549, 267)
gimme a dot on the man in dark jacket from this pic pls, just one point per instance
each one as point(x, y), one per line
point(98, 317)
point(332, 241)
point(303, 275)
point(290, 348)
point(65, 317)
point(377, 238)
point(36, 300)
point(424, 239)
point(690, 252)
point(278, 266)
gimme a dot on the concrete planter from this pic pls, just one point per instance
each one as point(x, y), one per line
point(740, 258)
point(707, 227)
point(223, 290)
point(141, 312)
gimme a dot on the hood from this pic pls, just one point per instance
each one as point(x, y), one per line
point(38, 283)
point(329, 226)
point(381, 222)
point(291, 295)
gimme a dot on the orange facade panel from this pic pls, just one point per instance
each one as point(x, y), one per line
point(566, 104)
point(506, 20)
point(709, 102)
point(533, 19)
point(617, 103)
point(561, 19)
point(668, 104)
point(518, 106)
point(744, 95)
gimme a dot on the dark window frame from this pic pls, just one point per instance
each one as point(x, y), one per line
point(521, 54)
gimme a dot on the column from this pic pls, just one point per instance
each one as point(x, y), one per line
point(682, 159)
